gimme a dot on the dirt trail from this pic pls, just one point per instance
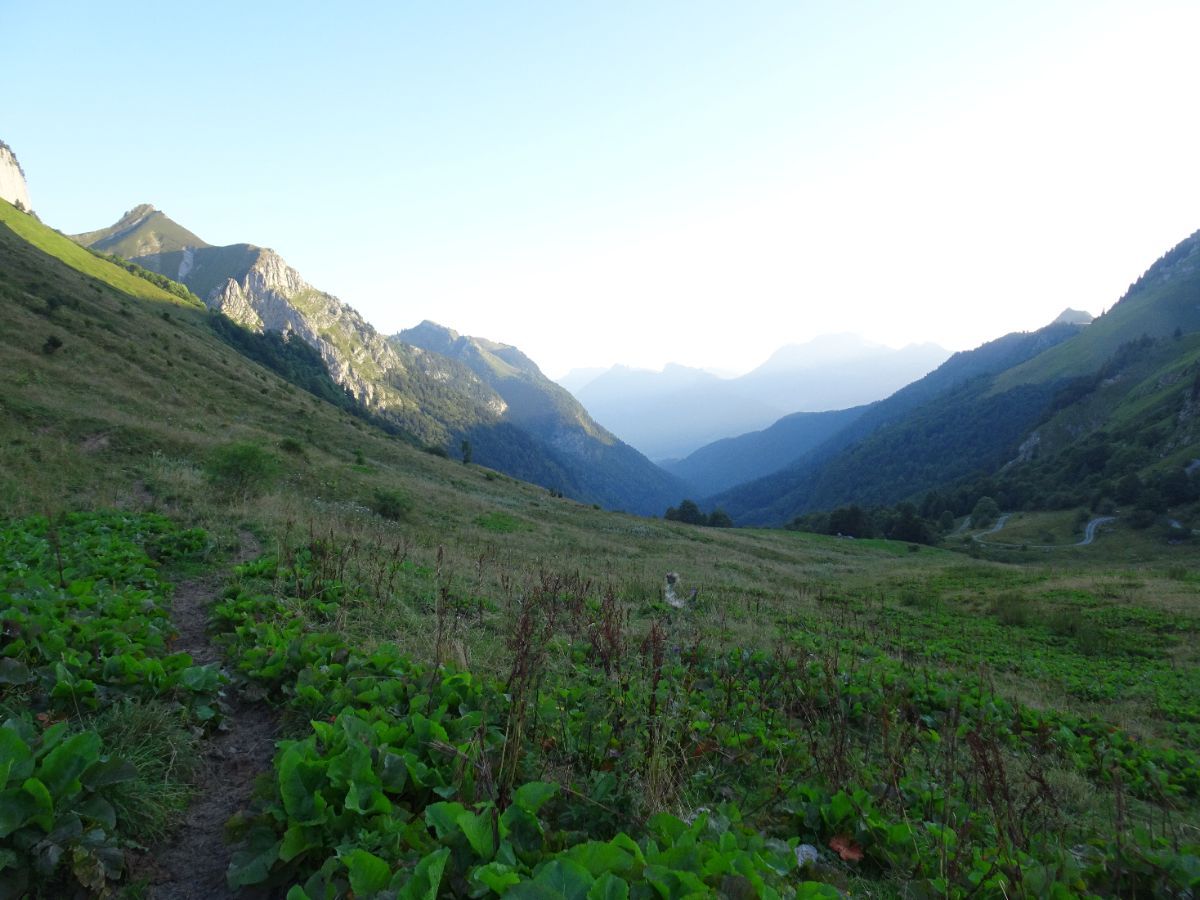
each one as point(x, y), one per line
point(192, 865)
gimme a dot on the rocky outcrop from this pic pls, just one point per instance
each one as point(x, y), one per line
point(270, 295)
point(12, 180)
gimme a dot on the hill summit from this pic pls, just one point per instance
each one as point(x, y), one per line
point(1074, 317)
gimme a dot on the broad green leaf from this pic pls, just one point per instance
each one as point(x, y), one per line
point(667, 826)
point(426, 877)
point(567, 879)
point(109, 771)
point(200, 678)
point(443, 818)
point(300, 783)
point(51, 738)
point(393, 772)
point(296, 840)
point(600, 857)
point(368, 873)
point(522, 828)
point(478, 827)
point(674, 883)
point(366, 798)
point(16, 759)
point(495, 876)
point(42, 800)
point(628, 844)
point(532, 796)
point(351, 765)
point(97, 809)
point(16, 808)
point(609, 887)
point(252, 864)
point(61, 767)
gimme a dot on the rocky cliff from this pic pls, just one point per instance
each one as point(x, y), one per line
point(12, 180)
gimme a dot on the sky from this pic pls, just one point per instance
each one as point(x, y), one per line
point(635, 182)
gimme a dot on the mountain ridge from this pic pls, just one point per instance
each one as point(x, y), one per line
point(438, 399)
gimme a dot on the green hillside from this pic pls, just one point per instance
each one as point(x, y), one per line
point(54, 244)
point(142, 231)
point(944, 427)
point(1163, 300)
point(455, 684)
point(731, 461)
point(989, 422)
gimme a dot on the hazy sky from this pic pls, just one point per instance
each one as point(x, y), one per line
point(635, 182)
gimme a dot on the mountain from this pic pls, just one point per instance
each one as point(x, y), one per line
point(429, 397)
point(921, 429)
point(730, 461)
point(837, 372)
point(576, 379)
point(600, 465)
point(12, 180)
point(669, 414)
point(1014, 405)
point(1074, 317)
point(437, 399)
point(142, 232)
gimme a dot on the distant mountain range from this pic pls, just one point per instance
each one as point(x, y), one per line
point(1126, 383)
point(439, 388)
point(671, 413)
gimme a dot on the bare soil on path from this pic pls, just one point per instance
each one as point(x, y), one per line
point(192, 864)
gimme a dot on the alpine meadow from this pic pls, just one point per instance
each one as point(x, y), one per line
point(294, 607)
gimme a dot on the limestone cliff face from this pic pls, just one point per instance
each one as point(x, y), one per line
point(270, 295)
point(12, 180)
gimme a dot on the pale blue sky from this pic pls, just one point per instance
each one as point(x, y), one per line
point(635, 182)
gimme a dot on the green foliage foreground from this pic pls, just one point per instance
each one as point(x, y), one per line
point(616, 759)
point(86, 628)
point(815, 767)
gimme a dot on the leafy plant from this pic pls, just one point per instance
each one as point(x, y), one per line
point(242, 469)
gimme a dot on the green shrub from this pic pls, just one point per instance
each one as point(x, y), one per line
point(242, 469)
point(1011, 609)
point(292, 446)
point(391, 504)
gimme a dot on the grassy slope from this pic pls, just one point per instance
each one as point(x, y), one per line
point(128, 409)
point(84, 262)
point(1162, 300)
point(130, 237)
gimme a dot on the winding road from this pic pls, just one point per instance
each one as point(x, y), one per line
point(1089, 534)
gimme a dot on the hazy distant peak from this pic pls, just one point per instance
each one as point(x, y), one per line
point(827, 349)
point(1073, 317)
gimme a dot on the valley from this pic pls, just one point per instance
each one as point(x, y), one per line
point(479, 687)
point(292, 607)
